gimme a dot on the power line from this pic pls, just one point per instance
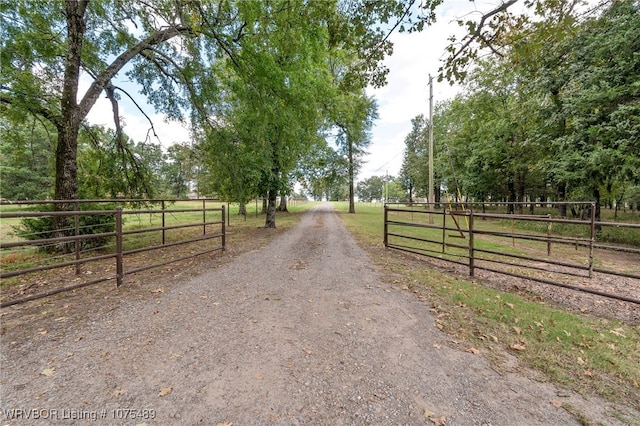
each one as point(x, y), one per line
point(392, 158)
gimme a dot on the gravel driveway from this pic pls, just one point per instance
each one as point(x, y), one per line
point(303, 331)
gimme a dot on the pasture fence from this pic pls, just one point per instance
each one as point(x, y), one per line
point(544, 247)
point(76, 237)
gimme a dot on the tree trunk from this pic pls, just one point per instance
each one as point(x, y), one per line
point(521, 192)
point(562, 196)
point(283, 204)
point(532, 205)
point(511, 197)
point(242, 210)
point(352, 204)
point(66, 184)
point(66, 187)
point(271, 210)
point(264, 205)
point(596, 194)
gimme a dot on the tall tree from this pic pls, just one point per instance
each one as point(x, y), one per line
point(354, 122)
point(322, 171)
point(415, 167)
point(371, 189)
point(48, 47)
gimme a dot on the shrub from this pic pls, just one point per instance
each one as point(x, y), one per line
point(43, 228)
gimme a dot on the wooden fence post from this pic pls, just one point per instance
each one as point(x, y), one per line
point(549, 235)
point(204, 217)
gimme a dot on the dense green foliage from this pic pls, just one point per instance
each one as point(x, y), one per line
point(557, 117)
point(275, 92)
point(259, 81)
point(26, 164)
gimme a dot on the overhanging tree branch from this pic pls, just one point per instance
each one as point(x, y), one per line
point(477, 34)
point(103, 79)
point(139, 109)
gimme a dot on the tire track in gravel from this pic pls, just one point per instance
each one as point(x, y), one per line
point(302, 331)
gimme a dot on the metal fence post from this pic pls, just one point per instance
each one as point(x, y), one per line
point(204, 217)
point(163, 230)
point(593, 238)
point(76, 207)
point(471, 251)
point(444, 233)
point(119, 268)
point(386, 226)
point(549, 235)
point(224, 232)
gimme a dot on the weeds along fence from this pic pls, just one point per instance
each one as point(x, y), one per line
point(93, 241)
point(542, 247)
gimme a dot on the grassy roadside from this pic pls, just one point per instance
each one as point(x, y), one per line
point(586, 354)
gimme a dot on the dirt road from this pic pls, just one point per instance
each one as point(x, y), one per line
point(303, 331)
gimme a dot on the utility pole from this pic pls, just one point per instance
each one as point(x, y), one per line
point(431, 199)
point(386, 186)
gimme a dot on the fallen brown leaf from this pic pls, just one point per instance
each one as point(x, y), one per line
point(556, 403)
point(165, 391)
point(517, 347)
point(48, 371)
point(439, 421)
point(473, 351)
point(428, 414)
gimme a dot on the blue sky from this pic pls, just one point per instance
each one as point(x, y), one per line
point(406, 95)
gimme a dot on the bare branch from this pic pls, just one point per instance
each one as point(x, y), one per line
point(141, 110)
point(398, 22)
point(477, 34)
point(109, 90)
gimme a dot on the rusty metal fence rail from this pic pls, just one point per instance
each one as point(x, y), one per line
point(65, 247)
point(479, 236)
